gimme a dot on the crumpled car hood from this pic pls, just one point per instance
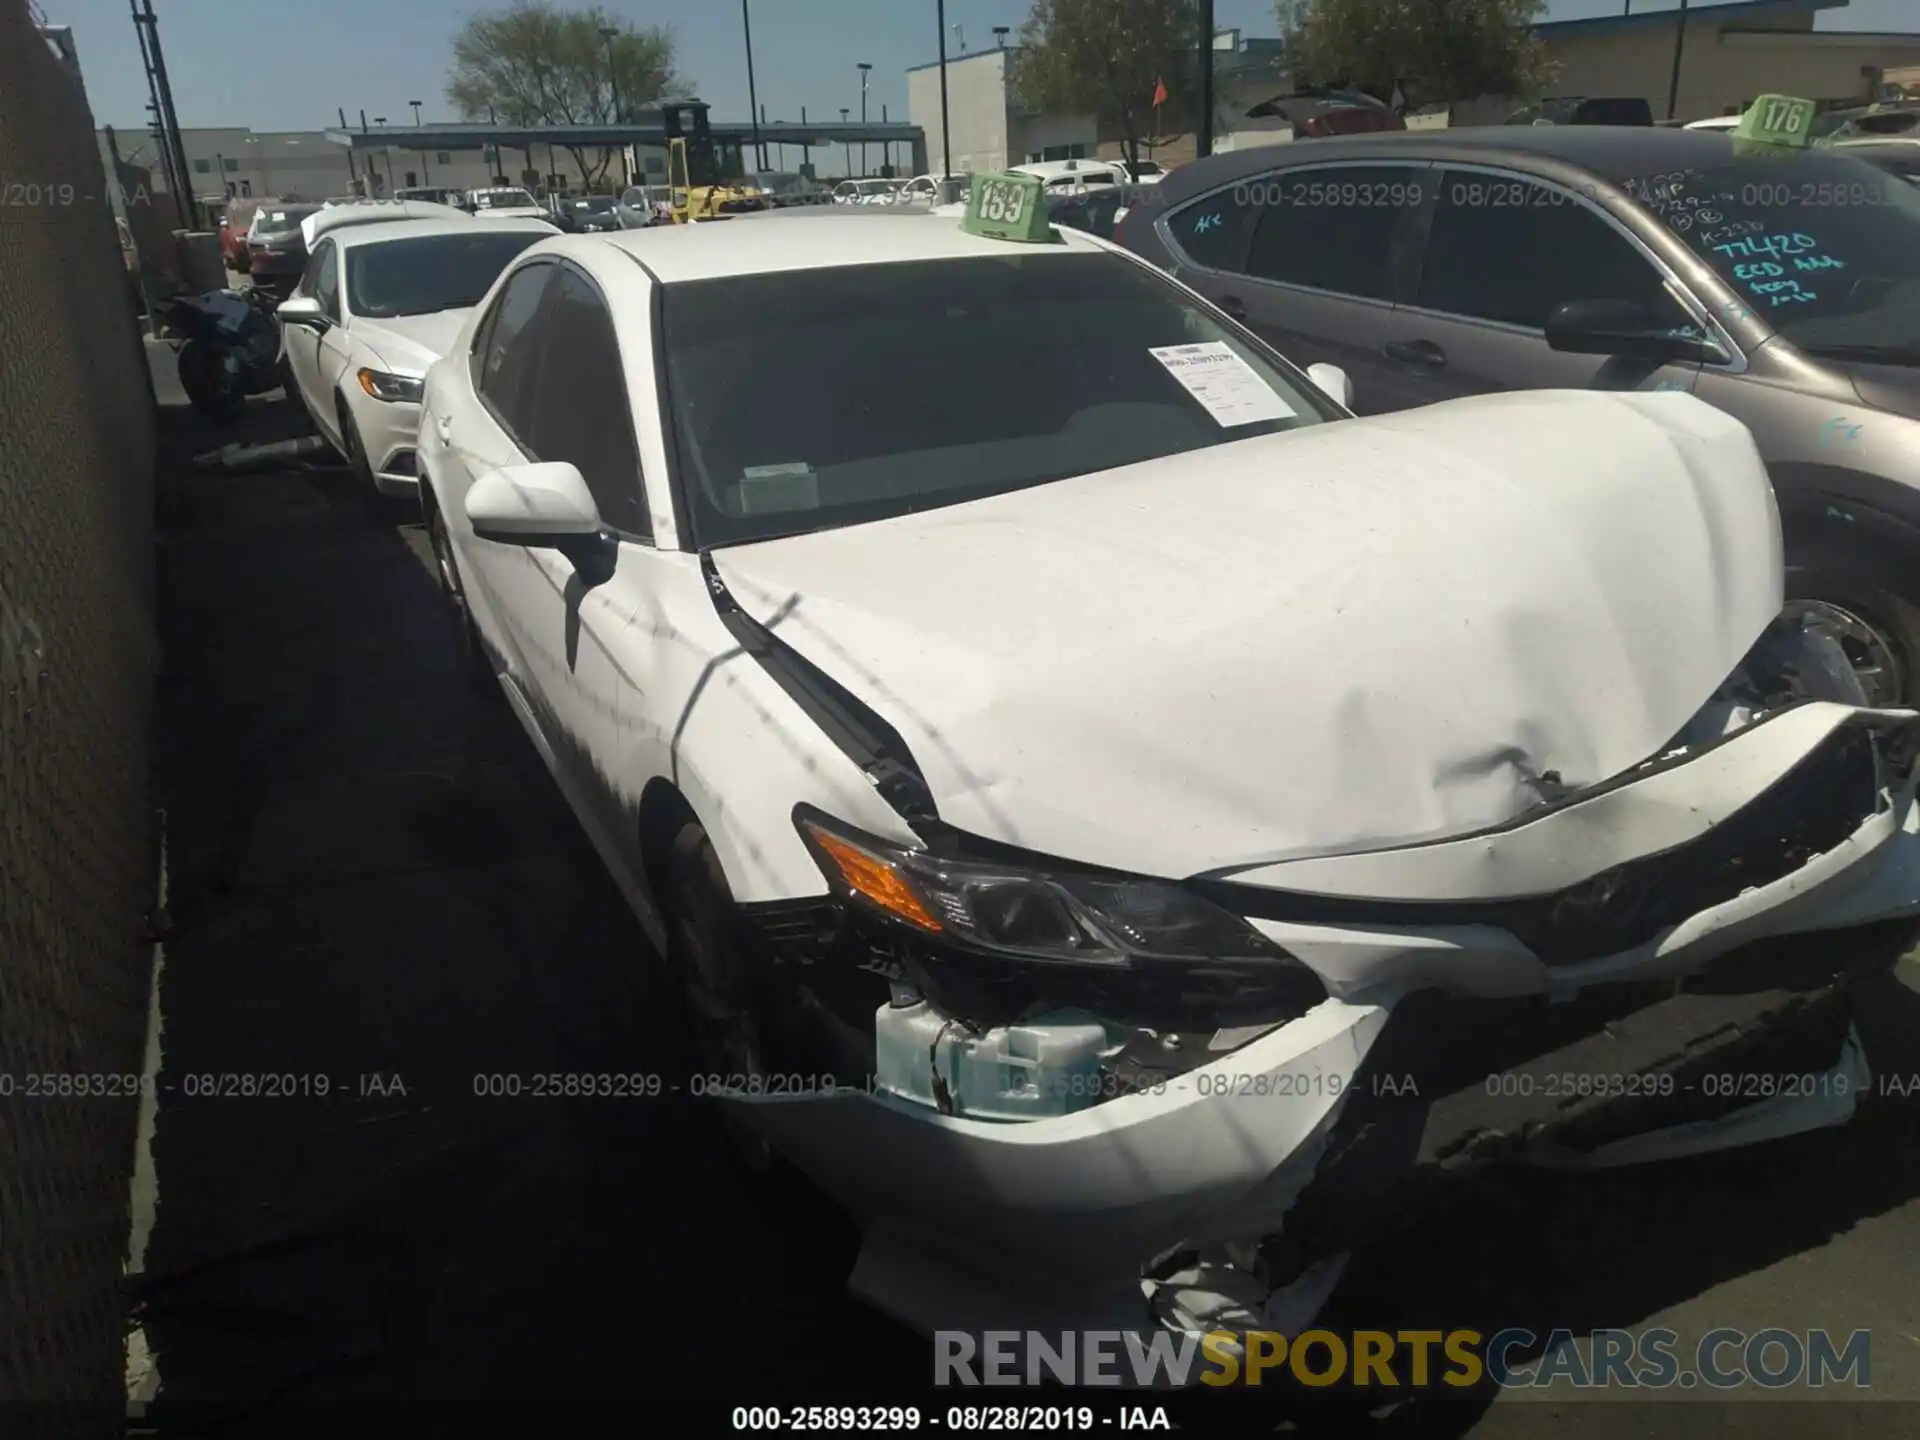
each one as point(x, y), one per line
point(1363, 634)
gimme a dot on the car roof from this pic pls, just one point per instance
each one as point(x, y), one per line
point(713, 250)
point(356, 213)
point(359, 235)
point(1614, 152)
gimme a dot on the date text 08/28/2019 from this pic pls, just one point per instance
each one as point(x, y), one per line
point(954, 1420)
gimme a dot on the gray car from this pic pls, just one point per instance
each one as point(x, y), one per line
point(1781, 285)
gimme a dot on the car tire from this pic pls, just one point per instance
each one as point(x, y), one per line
point(377, 506)
point(210, 389)
point(1872, 608)
point(469, 654)
point(303, 422)
point(706, 952)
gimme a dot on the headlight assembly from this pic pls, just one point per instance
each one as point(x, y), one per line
point(1796, 658)
point(1058, 917)
point(382, 386)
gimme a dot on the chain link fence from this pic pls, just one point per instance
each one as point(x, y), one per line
point(77, 659)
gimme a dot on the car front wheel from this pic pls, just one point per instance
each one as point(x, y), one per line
point(1869, 607)
point(707, 953)
point(378, 506)
point(469, 654)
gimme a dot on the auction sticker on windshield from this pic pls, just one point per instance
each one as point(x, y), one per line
point(1230, 389)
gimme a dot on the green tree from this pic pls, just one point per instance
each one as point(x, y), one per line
point(1439, 50)
point(534, 63)
point(1105, 58)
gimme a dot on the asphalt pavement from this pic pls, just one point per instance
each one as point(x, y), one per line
point(375, 891)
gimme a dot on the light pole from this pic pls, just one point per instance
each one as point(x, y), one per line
point(753, 101)
point(946, 146)
point(865, 70)
point(608, 33)
point(426, 176)
point(1679, 47)
point(1203, 145)
point(844, 112)
point(387, 150)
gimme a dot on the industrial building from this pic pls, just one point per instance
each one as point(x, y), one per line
point(1728, 53)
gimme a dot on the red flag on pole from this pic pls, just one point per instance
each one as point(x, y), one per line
point(1159, 93)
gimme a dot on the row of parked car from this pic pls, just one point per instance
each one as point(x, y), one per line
point(1334, 631)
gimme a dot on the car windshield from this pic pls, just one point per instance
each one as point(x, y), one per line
point(427, 273)
point(1824, 247)
point(595, 203)
point(501, 199)
point(810, 399)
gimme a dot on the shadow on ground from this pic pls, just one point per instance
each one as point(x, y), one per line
point(378, 893)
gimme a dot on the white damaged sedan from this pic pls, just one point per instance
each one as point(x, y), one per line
point(1122, 825)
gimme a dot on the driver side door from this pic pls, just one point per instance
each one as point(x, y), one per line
point(1502, 252)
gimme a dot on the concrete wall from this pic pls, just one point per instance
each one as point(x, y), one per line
point(977, 117)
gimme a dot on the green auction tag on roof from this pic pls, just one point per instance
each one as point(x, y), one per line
point(1777, 120)
point(1006, 206)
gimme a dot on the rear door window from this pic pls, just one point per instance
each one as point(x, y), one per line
point(1334, 228)
point(1211, 231)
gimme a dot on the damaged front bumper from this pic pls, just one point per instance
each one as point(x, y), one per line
point(1223, 1190)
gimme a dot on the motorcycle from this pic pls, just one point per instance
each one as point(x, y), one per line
point(229, 348)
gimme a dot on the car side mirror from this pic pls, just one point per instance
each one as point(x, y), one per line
point(542, 506)
point(1625, 330)
point(1333, 382)
point(303, 310)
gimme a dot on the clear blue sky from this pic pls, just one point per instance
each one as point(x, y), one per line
point(282, 65)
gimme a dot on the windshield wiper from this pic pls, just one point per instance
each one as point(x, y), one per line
point(1882, 354)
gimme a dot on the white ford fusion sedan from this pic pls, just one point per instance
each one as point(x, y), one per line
point(378, 302)
point(1120, 824)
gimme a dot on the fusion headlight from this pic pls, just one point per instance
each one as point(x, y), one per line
point(382, 386)
point(1051, 918)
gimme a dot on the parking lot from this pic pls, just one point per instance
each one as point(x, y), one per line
point(375, 889)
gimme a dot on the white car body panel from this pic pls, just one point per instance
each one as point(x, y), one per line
point(1539, 639)
point(1328, 661)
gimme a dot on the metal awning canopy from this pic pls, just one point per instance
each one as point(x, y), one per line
point(516, 137)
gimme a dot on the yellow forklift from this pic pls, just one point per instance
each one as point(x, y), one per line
point(698, 190)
